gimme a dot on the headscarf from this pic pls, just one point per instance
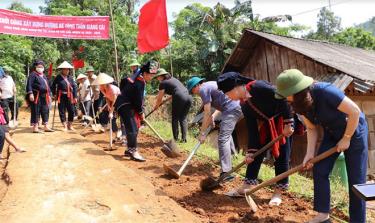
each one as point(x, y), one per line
point(228, 81)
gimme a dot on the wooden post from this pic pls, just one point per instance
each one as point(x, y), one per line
point(114, 40)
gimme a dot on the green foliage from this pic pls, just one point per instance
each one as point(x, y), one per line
point(328, 25)
point(16, 52)
point(204, 37)
point(329, 30)
point(369, 25)
point(355, 37)
point(18, 6)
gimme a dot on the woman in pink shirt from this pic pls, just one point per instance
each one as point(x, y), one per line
point(110, 92)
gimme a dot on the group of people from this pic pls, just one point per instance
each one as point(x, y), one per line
point(269, 111)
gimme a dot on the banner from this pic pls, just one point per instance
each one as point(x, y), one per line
point(68, 27)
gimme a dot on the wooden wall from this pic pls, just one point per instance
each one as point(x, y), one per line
point(268, 60)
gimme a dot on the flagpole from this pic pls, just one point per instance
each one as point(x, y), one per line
point(170, 58)
point(114, 41)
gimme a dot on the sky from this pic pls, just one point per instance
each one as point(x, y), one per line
point(303, 11)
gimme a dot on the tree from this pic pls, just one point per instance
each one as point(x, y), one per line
point(369, 25)
point(355, 37)
point(328, 24)
point(99, 53)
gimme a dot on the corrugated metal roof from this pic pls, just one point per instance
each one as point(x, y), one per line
point(355, 62)
point(342, 81)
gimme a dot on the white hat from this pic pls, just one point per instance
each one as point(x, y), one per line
point(81, 76)
point(65, 65)
point(103, 79)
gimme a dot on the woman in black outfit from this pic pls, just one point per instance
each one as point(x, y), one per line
point(129, 106)
point(181, 101)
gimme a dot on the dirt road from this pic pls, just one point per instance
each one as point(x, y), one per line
point(65, 178)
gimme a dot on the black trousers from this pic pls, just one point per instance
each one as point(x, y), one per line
point(2, 139)
point(64, 106)
point(180, 109)
point(128, 116)
point(39, 109)
point(85, 107)
point(8, 106)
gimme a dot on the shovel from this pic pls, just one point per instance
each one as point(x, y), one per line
point(169, 148)
point(169, 170)
point(85, 117)
point(163, 102)
point(210, 183)
point(249, 199)
point(14, 123)
point(95, 127)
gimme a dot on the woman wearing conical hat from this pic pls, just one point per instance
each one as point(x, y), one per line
point(110, 93)
point(38, 96)
point(181, 101)
point(65, 91)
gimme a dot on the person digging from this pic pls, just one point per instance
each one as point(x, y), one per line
point(130, 107)
point(345, 128)
point(266, 118)
point(181, 101)
point(230, 114)
point(110, 92)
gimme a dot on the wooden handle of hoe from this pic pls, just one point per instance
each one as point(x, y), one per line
point(154, 130)
point(196, 147)
point(292, 171)
point(163, 102)
point(257, 153)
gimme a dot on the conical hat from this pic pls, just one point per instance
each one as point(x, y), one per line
point(103, 79)
point(65, 65)
point(81, 76)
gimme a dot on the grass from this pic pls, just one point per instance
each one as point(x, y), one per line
point(299, 185)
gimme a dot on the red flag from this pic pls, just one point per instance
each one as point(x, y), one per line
point(77, 63)
point(50, 70)
point(153, 26)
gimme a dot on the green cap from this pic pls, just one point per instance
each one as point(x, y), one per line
point(134, 63)
point(193, 82)
point(160, 72)
point(90, 69)
point(290, 82)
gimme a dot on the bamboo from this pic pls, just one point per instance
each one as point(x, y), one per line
point(114, 41)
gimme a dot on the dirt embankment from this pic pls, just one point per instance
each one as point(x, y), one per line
point(209, 206)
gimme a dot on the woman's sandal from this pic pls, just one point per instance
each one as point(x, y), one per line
point(21, 150)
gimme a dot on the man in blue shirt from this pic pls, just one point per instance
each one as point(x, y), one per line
point(230, 114)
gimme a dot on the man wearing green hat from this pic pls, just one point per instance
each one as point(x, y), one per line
point(181, 101)
point(230, 114)
point(345, 128)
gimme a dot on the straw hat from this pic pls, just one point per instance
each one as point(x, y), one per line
point(290, 82)
point(103, 79)
point(81, 76)
point(65, 65)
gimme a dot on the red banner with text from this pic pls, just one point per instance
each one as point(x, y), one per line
point(67, 27)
